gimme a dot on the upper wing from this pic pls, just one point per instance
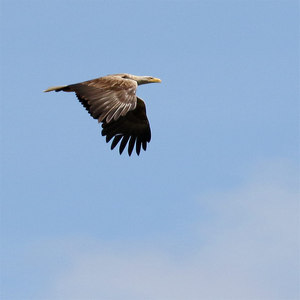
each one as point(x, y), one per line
point(106, 98)
point(133, 127)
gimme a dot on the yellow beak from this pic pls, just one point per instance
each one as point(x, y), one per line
point(155, 80)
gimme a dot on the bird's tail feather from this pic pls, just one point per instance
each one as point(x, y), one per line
point(55, 88)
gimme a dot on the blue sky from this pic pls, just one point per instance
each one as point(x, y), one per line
point(210, 211)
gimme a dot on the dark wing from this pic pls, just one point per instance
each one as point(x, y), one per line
point(106, 98)
point(133, 128)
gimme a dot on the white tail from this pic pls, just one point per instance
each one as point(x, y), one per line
point(55, 88)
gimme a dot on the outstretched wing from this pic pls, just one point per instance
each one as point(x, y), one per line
point(133, 128)
point(106, 98)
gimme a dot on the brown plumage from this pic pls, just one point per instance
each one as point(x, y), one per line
point(112, 100)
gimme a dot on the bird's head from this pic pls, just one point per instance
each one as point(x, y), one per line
point(142, 79)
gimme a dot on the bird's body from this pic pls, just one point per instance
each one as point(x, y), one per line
point(112, 100)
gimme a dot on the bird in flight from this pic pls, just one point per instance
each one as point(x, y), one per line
point(112, 100)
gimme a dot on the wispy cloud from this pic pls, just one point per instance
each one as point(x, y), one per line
point(247, 249)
